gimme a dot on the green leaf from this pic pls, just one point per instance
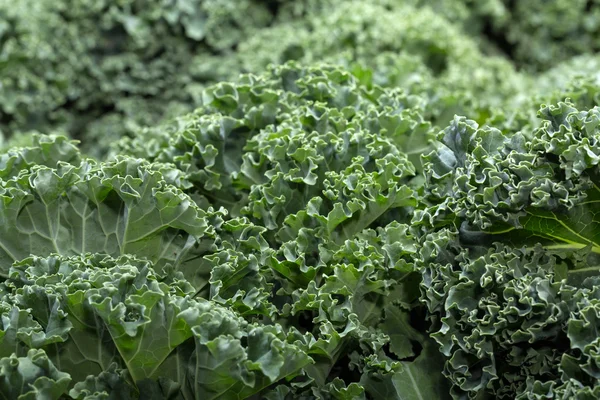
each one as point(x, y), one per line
point(119, 208)
point(32, 377)
point(221, 368)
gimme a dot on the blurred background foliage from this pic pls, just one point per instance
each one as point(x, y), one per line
point(102, 70)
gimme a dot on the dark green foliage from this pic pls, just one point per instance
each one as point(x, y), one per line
point(313, 199)
point(101, 68)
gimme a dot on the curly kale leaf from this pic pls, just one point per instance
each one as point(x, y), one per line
point(507, 321)
point(297, 121)
point(498, 187)
point(118, 325)
point(123, 207)
point(32, 376)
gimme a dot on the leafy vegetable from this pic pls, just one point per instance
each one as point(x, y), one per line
point(276, 263)
point(505, 313)
point(307, 199)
